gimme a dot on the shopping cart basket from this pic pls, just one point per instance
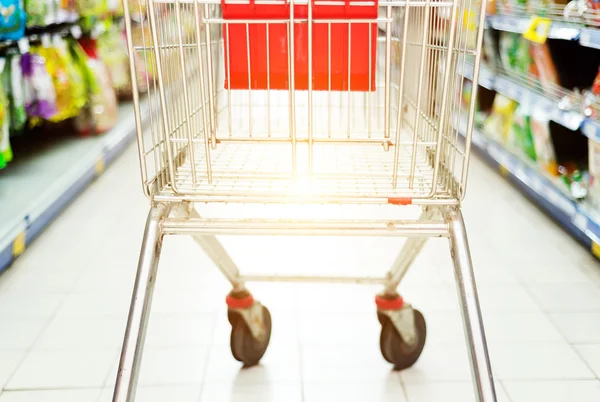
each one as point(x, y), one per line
point(305, 102)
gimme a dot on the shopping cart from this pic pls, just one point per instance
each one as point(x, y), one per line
point(306, 102)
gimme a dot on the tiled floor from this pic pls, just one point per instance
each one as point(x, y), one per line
point(63, 307)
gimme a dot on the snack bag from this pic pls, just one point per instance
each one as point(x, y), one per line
point(14, 85)
point(544, 149)
point(521, 136)
point(12, 19)
point(546, 71)
point(67, 80)
point(5, 149)
point(39, 91)
point(101, 113)
point(40, 13)
point(498, 124)
point(92, 8)
point(111, 50)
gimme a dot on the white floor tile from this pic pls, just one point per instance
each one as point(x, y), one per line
point(71, 395)
point(181, 330)
point(538, 361)
point(18, 304)
point(440, 362)
point(95, 305)
point(520, 327)
point(55, 369)
point(172, 366)
point(567, 298)
point(591, 355)
point(579, 327)
point(83, 333)
point(279, 365)
point(181, 393)
point(251, 393)
point(9, 362)
point(348, 391)
point(553, 391)
point(20, 333)
point(343, 363)
point(447, 392)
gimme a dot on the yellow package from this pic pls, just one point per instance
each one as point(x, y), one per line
point(66, 77)
point(497, 125)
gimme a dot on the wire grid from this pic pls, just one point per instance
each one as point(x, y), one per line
point(361, 144)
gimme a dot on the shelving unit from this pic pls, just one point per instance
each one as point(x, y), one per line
point(574, 216)
point(563, 105)
point(41, 183)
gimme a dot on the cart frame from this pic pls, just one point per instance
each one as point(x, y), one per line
point(403, 150)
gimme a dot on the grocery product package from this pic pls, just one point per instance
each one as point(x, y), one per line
point(101, 113)
point(520, 136)
point(14, 85)
point(544, 65)
point(5, 149)
point(39, 91)
point(544, 148)
point(40, 13)
point(66, 77)
point(12, 23)
point(497, 125)
point(594, 171)
point(111, 50)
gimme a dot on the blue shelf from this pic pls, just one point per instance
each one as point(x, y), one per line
point(49, 179)
point(578, 220)
point(536, 101)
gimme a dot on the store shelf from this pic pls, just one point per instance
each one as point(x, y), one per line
point(574, 31)
point(535, 100)
point(558, 30)
point(37, 186)
point(580, 221)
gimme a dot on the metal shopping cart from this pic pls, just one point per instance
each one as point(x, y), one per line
point(309, 102)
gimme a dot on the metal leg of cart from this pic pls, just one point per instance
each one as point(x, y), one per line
point(481, 371)
point(137, 323)
point(250, 320)
point(409, 252)
point(213, 248)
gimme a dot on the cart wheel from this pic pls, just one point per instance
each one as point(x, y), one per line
point(244, 347)
point(393, 347)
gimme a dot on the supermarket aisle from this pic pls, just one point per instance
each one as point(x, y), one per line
point(63, 307)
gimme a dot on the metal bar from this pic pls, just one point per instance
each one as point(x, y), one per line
point(388, 68)
point(161, 93)
point(299, 228)
point(207, 131)
point(310, 89)
point(186, 99)
point(483, 381)
point(403, 73)
point(472, 104)
point(210, 245)
point(313, 279)
point(209, 67)
point(292, 85)
point(139, 312)
point(409, 252)
point(416, 133)
point(270, 198)
point(444, 96)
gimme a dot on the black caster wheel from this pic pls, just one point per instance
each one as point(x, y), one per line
point(394, 349)
point(246, 348)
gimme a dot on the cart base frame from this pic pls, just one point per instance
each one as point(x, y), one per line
point(182, 218)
